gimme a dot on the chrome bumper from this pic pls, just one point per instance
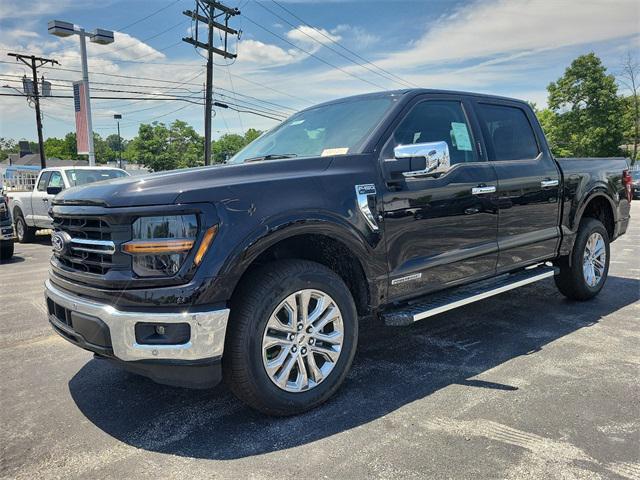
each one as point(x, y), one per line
point(7, 233)
point(207, 329)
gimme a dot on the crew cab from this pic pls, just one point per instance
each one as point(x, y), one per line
point(30, 208)
point(398, 204)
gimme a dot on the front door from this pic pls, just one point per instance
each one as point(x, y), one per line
point(528, 184)
point(40, 201)
point(439, 231)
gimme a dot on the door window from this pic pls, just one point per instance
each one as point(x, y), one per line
point(42, 183)
point(436, 121)
point(508, 133)
point(56, 180)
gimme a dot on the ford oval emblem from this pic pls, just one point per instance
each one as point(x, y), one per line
point(59, 242)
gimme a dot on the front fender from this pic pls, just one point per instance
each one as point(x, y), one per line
point(365, 245)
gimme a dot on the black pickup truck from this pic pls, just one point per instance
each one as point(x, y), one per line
point(399, 204)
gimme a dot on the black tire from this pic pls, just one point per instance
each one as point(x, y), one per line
point(571, 280)
point(24, 233)
point(6, 250)
point(251, 309)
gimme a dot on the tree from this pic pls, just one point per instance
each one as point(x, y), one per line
point(227, 146)
point(251, 134)
point(587, 110)
point(629, 77)
point(161, 148)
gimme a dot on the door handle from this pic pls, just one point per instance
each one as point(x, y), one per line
point(546, 183)
point(45, 199)
point(482, 189)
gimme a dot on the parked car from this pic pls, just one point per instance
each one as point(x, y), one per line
point(30, 208)
point(398, 204)
point(7, 236)
point(635, 184)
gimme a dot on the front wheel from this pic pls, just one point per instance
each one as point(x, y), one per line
point(585, 274)
point(6, 250)
point(292, 337)
point(24, 233)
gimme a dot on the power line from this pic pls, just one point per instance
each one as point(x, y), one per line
point(148, 16)
point(319, 31)
point(316, 56)
point(237, 77)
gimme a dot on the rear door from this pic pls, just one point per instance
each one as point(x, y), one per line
point(440, 230)
point(528, 183)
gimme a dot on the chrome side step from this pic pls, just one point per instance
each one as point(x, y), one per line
point(457, 297)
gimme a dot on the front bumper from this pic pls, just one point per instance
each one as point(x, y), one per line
point(111, 333)
point(6, 232)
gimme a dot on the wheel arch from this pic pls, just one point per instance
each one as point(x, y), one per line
point(329, 242)
point(598, 205)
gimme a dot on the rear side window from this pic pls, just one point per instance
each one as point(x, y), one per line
point(42, 183)
point(508, 133)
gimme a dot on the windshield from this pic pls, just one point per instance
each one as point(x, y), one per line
point(82, 177)
point(334, 129)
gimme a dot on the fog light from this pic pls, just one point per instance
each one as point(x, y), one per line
point(167, 334)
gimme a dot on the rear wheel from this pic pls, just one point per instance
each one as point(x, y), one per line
point(24, 233)
point(585, 274)
point(292, 337)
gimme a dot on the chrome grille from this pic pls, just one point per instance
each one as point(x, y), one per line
point(90, 248)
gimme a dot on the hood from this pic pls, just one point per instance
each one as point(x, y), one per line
point(164, 188)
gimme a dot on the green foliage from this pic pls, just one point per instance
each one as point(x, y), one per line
point(227, 146)
point(629, 122)
point(161, 148)
point(584, 118)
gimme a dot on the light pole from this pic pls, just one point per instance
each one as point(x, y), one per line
point(118, 117)
point(100, 36)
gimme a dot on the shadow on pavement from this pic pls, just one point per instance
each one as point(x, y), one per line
point(393, 367)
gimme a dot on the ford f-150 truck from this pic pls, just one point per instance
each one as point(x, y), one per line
point(30, 209)
point(399, 204)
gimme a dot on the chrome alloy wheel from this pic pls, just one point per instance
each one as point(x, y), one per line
point(594, 260)
point(20, 229)
point(302, 340)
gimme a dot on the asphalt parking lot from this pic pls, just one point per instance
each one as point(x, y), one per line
point(523, 385)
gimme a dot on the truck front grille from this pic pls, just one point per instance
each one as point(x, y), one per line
point(88, 247)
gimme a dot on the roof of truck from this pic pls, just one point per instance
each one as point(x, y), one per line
point(419, 91)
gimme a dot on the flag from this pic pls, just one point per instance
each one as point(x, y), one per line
point(80, 106)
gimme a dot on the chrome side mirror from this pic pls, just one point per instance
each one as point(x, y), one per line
point(435, 154)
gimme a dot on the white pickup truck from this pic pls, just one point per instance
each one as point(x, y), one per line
point(30, 209)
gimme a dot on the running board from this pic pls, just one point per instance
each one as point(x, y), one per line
point(457, 297)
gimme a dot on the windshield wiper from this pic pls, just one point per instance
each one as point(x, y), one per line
point(272, 156)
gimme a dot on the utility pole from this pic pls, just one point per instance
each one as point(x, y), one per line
point(211, 11)
point(34, 63)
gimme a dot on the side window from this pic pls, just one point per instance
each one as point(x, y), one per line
point(508, 133)
point(56, 180)
point(436, 121)
point(42, 183)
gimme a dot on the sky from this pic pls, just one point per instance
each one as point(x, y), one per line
point(293, 54)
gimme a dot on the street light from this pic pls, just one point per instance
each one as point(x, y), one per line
point(118, 117)
point(99, 36)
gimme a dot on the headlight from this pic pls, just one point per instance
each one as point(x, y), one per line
point(161, 244)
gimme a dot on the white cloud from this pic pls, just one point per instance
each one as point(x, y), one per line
point(489, 28)
point(16, 8)
point(265, 54)
point(360, 39)
point(270, 55)
point(311, 38)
